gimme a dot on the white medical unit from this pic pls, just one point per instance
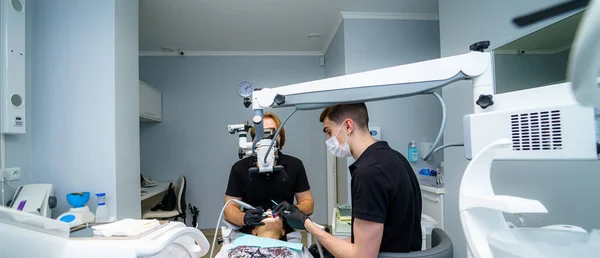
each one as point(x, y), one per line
point(12, 66)
point(27, 235)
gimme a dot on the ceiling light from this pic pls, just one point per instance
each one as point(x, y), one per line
point(314, 36)
point(168, 49)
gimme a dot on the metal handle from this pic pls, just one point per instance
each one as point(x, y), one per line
point(431, 199)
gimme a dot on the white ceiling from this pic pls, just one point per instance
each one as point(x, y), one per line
point(552, 39)
point(254, 25)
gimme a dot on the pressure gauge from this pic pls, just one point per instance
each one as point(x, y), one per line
point(245, 89)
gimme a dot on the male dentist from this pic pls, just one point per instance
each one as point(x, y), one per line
point(386, 197)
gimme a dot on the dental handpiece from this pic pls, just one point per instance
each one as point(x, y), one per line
point(243, 204)
point(248, 206)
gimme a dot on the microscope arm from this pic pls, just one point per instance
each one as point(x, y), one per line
point(388, 83)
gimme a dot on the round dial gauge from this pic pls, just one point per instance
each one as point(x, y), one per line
point(245, 89)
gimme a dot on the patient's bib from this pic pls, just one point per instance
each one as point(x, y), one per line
point(262, 242)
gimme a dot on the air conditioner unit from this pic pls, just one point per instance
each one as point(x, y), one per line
point(12, 66)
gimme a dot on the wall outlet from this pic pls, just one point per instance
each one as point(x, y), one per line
point(12, 174)
point(425, 147)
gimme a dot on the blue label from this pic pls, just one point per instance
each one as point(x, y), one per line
point(413, 154)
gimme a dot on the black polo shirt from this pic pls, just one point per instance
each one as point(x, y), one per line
point(258, 189)
point(385, 190)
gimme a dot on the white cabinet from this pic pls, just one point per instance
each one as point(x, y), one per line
point(433, 203)
point(150, 103)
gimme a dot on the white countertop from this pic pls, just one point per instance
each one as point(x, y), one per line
point(147, 192)
point(432, 189)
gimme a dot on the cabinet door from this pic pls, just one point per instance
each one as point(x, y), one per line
point(433, 205)
point(150, 103)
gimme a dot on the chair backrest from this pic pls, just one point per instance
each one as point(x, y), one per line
point(180, 188)
point(441, 247)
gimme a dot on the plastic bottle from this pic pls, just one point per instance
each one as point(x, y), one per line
point(413, 153)
point(102, 209)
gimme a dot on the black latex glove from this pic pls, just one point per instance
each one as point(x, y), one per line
point(294, 217)
point(254, 217)
point(314, 251)
point(283, 206)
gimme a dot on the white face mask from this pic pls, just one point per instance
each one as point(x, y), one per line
point(333, 145)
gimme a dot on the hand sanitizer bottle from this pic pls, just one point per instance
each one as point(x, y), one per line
point(101, 210)
point(413, 153)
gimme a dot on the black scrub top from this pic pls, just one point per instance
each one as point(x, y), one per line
point(385, 190)
point(258, 189)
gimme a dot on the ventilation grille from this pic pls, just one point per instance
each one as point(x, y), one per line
point(537, 131)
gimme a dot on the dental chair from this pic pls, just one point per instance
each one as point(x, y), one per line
point(441, 247)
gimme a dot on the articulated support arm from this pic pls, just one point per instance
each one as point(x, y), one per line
point(388, 83)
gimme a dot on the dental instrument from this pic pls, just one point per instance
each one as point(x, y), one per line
point(238, 202)
point(262, 145)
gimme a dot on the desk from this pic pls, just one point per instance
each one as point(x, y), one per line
point(161, 187)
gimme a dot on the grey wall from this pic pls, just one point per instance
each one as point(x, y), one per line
point(199, 100)
point(74, 82)
point(335, 65)
point(518, 72)
point(374, 44)
point(335, 57)
point(390, 6)
point(558, 185)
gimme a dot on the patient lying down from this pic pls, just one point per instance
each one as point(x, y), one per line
point(265, 243)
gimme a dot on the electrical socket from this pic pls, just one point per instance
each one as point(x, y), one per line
point(12, 174)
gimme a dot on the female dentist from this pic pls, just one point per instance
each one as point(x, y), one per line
point(261, 190)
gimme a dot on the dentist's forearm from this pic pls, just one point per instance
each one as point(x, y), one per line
point(234, 215)
point(337, 247)
point(306, 206)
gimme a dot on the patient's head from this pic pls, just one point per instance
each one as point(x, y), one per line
point(273, 228)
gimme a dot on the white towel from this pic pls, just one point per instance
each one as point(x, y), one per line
point(126, 227)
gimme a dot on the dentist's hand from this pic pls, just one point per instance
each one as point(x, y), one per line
point(254, 217)
point(294, 217)
point(284, 206)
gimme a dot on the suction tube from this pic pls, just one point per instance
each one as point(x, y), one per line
point(243, 204)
